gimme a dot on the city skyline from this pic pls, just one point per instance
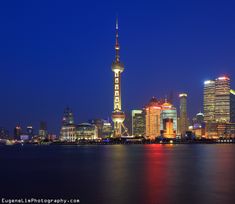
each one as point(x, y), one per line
point(117, 101)
point(53, 75)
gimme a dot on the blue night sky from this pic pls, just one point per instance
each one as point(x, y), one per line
point(55, 54)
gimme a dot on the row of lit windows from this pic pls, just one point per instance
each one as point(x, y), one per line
point(116, 93)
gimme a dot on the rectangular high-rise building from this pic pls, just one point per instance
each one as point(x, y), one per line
point(232, 106)
point(153, 119)
point(138, 123)
point(183, 113)
point(217, 104)
point(209, 101)
point(222, 99)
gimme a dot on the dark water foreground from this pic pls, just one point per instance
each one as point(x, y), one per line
point(120, 173)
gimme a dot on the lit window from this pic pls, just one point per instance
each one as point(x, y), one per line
point(116, 87)
point(116, 80)
point(116, 93)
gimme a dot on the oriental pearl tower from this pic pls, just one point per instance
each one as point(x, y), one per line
point(118, 116)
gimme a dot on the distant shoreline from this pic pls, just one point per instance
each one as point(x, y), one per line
point(129, 143)
point(122, 142)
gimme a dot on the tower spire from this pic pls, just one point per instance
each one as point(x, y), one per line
point(117, 47)
point(116, 23)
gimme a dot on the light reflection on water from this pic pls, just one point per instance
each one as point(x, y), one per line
point(121, 173)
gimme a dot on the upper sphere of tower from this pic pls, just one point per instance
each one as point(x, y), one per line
point(117, 67)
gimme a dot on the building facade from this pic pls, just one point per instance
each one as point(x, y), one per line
point(209, 101)
point(99, 123)
point(183, 114)
point(138, 123)
point(232, 106)
point(107, 130)
point(222, 99)
point(86, 131)
point(217, 105)
point(68, 133)
point(169, 111)
point(68, 129)
point(199, 119)
point(226, 130)
point(104, 127)
point(153, 119)
point(168, 128)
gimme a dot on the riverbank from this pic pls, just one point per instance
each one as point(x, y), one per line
point(122, 142)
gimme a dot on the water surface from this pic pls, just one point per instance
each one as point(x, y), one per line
point(110, 174)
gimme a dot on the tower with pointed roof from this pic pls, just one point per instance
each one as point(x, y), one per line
point(118, 116)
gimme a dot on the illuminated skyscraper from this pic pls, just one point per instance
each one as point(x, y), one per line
point(138, 122)
point(209, 101)
point(232, 106)
point(169, 111)
point(183, 113)
point(222, 99)
point(217, 105)
point(118, 116)
point(153, 119)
